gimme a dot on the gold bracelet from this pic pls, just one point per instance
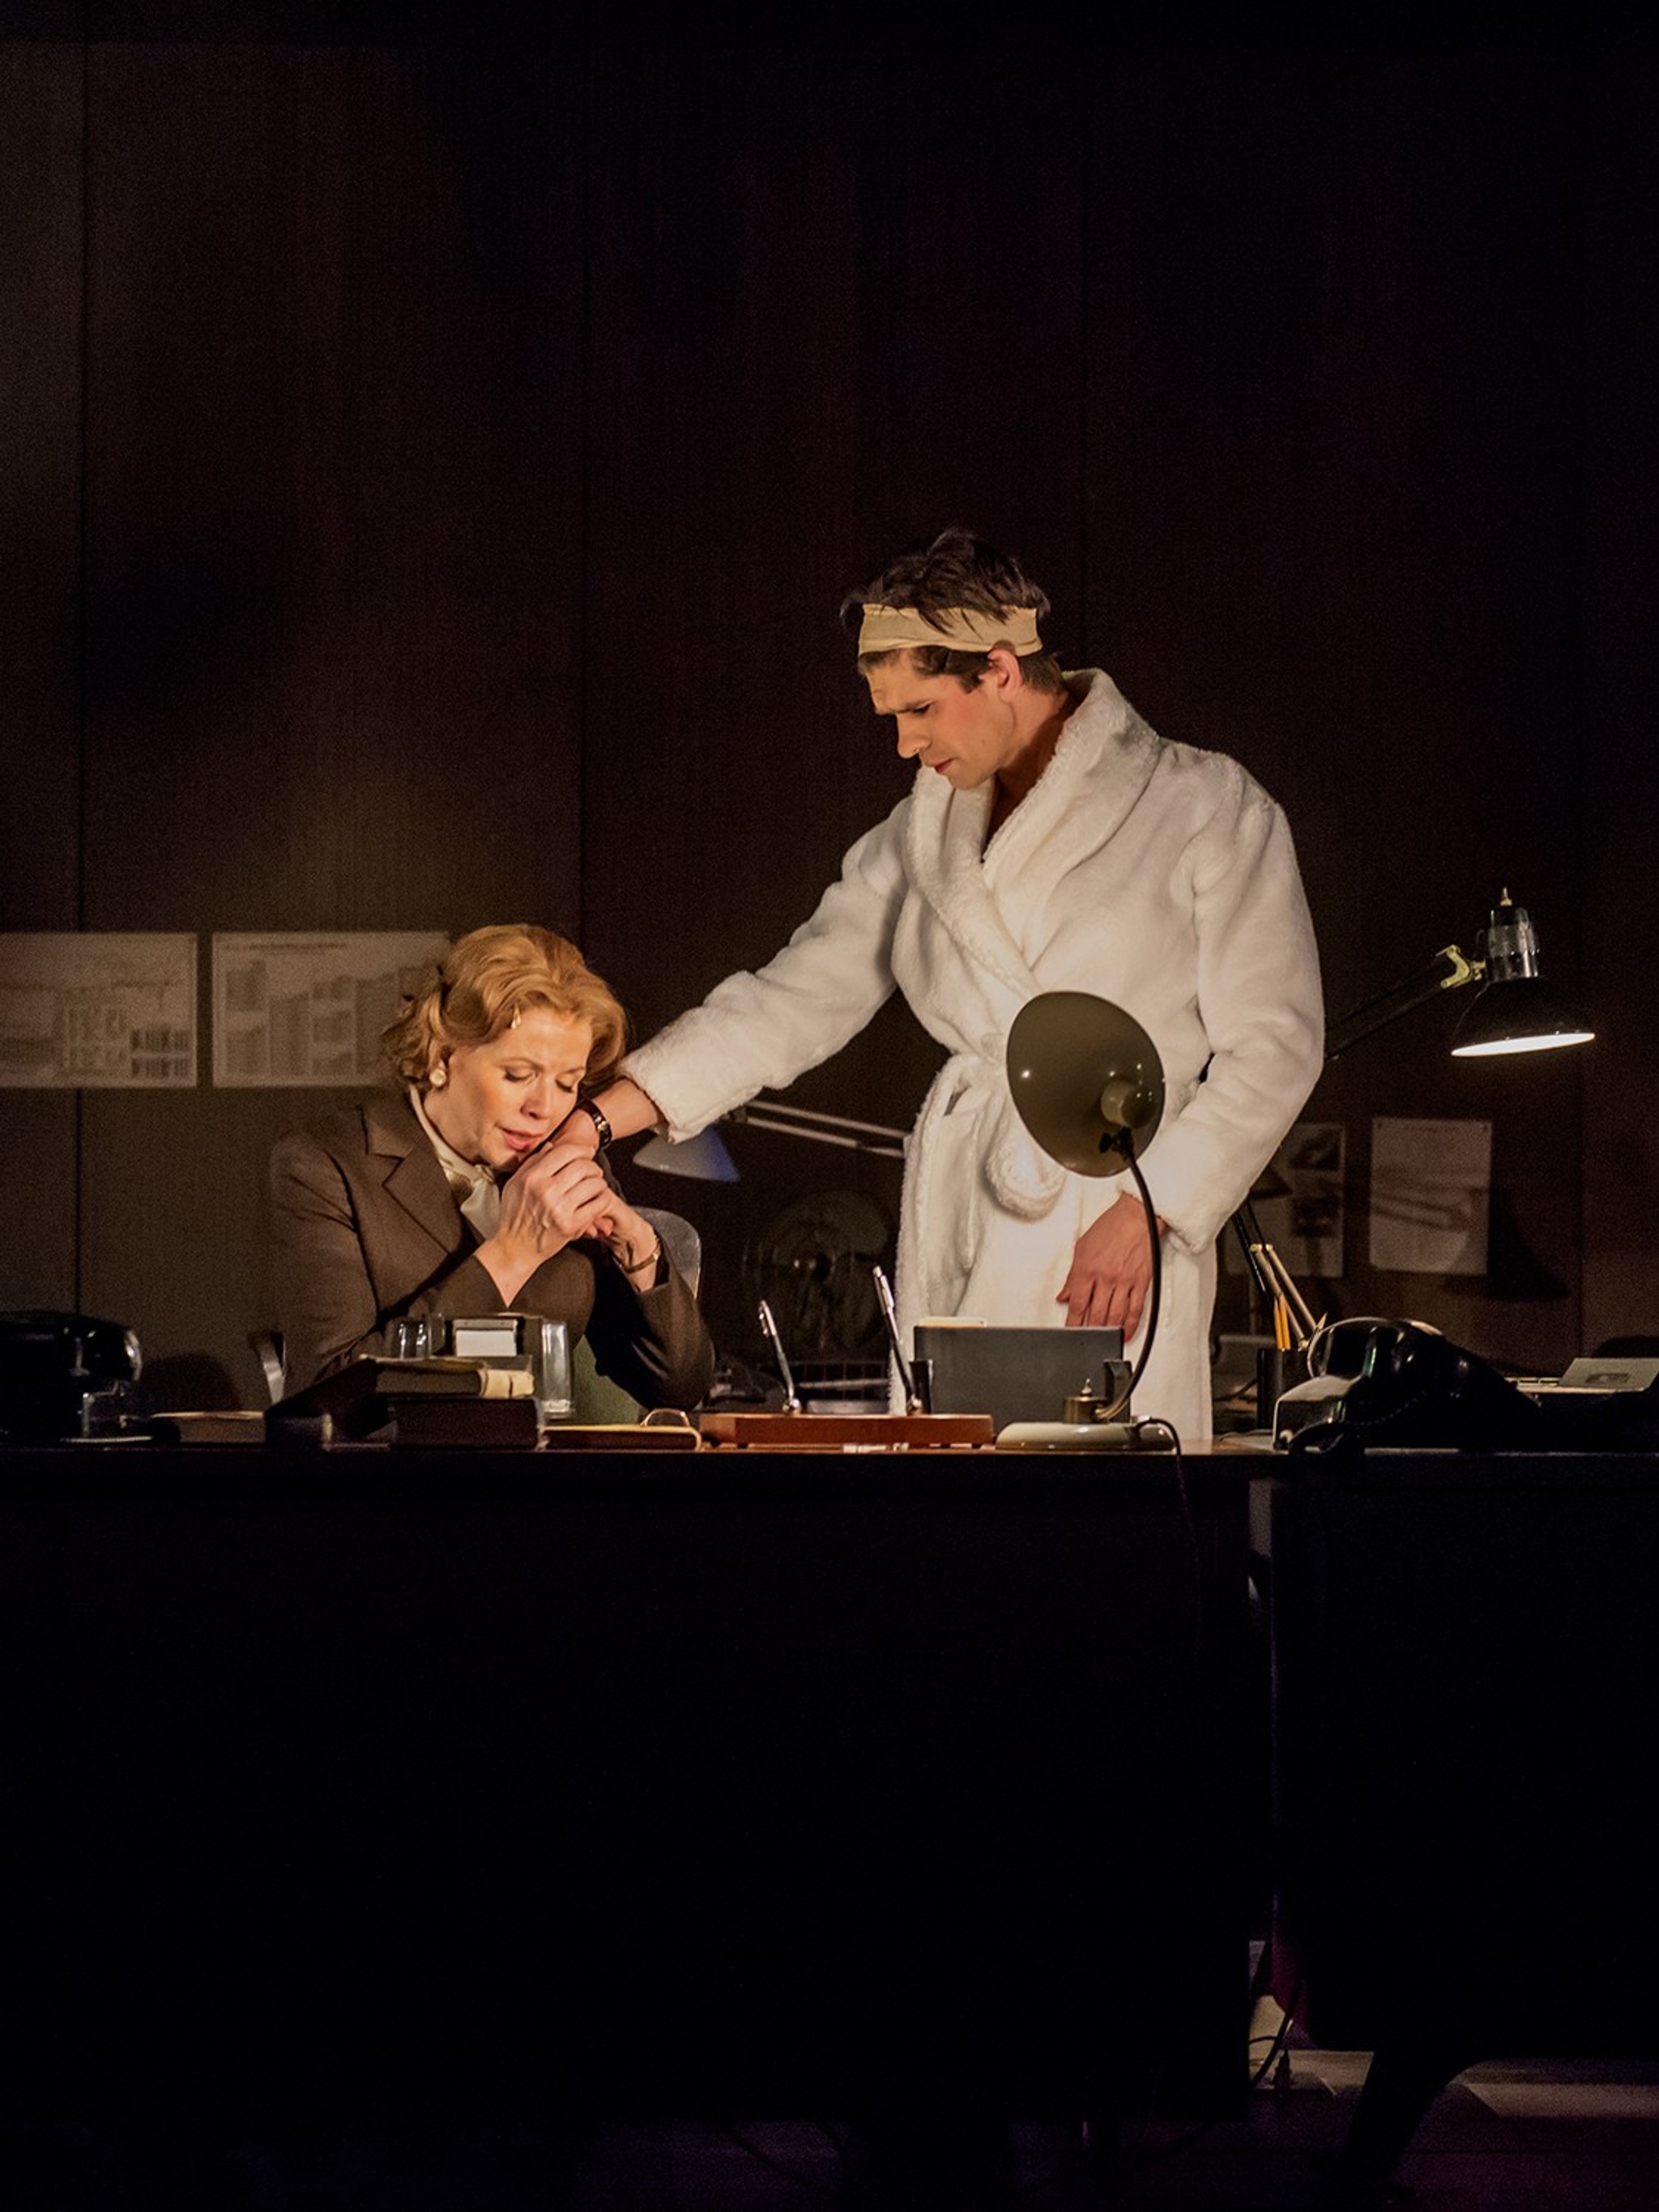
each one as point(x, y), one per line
point(633, 1267)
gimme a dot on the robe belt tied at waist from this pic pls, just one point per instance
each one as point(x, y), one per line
point(1021, 1176)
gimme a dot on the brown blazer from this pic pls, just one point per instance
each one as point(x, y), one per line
point(364, 1228)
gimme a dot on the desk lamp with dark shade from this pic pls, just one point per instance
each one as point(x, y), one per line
point(1514, 1011)
point(1088, 1083)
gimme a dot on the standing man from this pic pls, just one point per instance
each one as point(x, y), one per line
point(1051, 841)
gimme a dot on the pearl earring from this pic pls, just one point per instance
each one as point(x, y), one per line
point(440, 1076)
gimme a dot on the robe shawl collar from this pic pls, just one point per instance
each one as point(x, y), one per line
point(1106, 754)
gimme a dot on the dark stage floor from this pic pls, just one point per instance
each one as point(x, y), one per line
point(1514, 2137)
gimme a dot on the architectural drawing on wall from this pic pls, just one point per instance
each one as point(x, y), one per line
point(1299, 1203)
point(1430, 1195)
point(97, 1011)
point(296, 1010)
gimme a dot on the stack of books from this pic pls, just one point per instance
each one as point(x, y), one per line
point(437, 1401)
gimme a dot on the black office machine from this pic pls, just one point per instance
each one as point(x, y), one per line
point(65, 1376)
point(1016, 1374)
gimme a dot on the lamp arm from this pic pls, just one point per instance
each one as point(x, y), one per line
point(1248, 1230)
point(821, 1129)
point(1449, 969)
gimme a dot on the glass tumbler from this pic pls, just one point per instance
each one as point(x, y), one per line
point(415, 1336)
point(550, 1365)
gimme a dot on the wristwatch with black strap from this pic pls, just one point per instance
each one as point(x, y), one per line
point(587, 1106)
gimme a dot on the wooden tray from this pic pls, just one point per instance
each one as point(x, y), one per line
point(618, 1437)
point(834, 1432)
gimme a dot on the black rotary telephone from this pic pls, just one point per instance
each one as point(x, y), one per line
point(1374, 1382)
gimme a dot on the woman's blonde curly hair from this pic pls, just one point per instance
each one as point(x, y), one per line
point(484, 982)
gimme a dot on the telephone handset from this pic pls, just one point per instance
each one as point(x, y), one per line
point(1401, 1382)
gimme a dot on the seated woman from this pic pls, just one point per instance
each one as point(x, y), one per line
point(433, 1198)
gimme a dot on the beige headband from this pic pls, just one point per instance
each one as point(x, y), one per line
point(890, 629)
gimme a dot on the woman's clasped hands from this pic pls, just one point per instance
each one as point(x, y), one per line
point(561, 1195)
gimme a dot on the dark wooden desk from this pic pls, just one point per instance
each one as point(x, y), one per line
point(1467, 1660)
point(726, 1783)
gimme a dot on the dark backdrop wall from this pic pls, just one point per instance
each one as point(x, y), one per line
point(428, 473)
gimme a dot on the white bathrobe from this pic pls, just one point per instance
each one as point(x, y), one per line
point(1149, 873)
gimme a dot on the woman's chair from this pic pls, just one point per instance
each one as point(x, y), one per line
point(595, 1397)
point(681, 1244)
point(267, 1344)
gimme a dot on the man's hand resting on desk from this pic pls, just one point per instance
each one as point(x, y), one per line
point(1111, 1270)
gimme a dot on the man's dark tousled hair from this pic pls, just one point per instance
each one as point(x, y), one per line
point(956, 569)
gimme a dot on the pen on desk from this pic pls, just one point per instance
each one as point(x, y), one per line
point(790, 1402)
point(889, 1313)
